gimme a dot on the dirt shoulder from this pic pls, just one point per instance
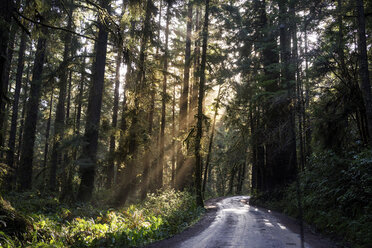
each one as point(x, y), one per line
point(205, 221)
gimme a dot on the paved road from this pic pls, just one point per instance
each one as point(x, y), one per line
point(239, 225)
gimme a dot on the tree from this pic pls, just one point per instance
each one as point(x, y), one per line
point(159, 172)
point(59, 123)
point(27, 150)
point(130, 158)
point(184, 115)
point(365, 84)
point(199, 132)
point(211, 141)
point(6, 10)
point(17, 91)
point(88, 160)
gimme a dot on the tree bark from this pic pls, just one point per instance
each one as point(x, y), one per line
point(24, 104)
point(13, 126)
point(80, 101)
point(27, 151)
point(47, 133)
point(87, 171)
point(6, 9)
point(199, 125)
point(184, 116)
point(211, 141)
point(128, 185)
point(159, 171)
point(115, 109)
point(59, 123)
point(149, 162)
point(365, 84)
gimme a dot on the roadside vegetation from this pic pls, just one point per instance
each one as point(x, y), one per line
point(336, 196)
point(52, 224)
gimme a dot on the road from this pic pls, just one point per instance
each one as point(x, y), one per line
point(237, 224)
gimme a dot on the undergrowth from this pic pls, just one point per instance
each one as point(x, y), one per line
point(336, 193)
point(57, 225)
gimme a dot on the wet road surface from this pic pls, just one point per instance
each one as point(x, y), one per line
point(231, 222)
point(238, 224)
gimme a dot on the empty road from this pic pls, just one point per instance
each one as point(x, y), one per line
point(237, 224)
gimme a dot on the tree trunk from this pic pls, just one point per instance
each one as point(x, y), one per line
point(47, 133)
point(159, 171)
point(173, 169)
point(147, 178)
point(254, 180)
point(194, 93)
point(88, 170)
point(365, 84)
point(232, 177)
point(128, 185)
point(182, 171)
point(24, 104)
point(6, 7)
point(27, 153)
point(13, 127)
point(285, 170)
point(211, 141)
point(199, 125)
point(80, 101)
point(115, 109)
point(59, 123)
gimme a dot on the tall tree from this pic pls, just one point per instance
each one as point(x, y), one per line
point(23, 113)
point(149, 161)
point(115, 109)
point(59, 123)
point(17, 91)
point(206, 167)
point(47, 133)
point(288, 156)
point(365, 84)
point(130, 159)
point(159, 171)
point(27, 151)
point(199, 125)
point(79, 99)
point(89, 155)
point(183, 116)
point(6, 10)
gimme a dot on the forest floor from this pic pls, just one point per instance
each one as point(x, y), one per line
point(232, 222)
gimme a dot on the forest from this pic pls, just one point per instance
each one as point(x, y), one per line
point(120, 118)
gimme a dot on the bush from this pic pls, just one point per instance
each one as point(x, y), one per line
point(159, 217)
point(12, 223)
point(337, 193)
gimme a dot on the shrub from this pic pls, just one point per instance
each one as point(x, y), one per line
point(337, 193)
point(159, 217)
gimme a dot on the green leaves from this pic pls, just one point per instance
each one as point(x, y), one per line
point(162, 215)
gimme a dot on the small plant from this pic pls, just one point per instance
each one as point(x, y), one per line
point(160, 216)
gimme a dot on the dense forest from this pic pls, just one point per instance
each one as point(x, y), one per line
point(119, 118)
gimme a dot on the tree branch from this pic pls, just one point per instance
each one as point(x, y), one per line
point(52, 27)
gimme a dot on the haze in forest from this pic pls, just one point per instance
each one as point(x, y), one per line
point(143, 110)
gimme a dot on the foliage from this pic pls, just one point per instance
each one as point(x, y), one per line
point(58, 225)
point(12, 223)
point(336, 195)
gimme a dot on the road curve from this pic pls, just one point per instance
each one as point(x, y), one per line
point(232, 222)
point(237, 224)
